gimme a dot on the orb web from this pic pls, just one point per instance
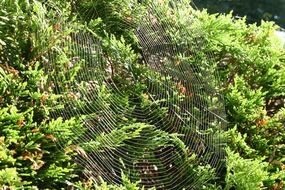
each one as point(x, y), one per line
point(156, 118)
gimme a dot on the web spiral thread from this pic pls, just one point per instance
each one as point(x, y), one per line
point(157, 118)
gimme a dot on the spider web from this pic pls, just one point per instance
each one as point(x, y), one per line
point(157, 118)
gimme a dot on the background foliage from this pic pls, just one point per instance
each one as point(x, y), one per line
point(250, 61)
point(255, 11)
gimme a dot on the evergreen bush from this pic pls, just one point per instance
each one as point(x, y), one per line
point(250, 61)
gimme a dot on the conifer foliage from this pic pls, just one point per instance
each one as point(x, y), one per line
point(49, 105)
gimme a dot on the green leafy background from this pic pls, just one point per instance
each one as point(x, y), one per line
point(250, 61)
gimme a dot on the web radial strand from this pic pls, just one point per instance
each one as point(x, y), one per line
point(179, 103)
